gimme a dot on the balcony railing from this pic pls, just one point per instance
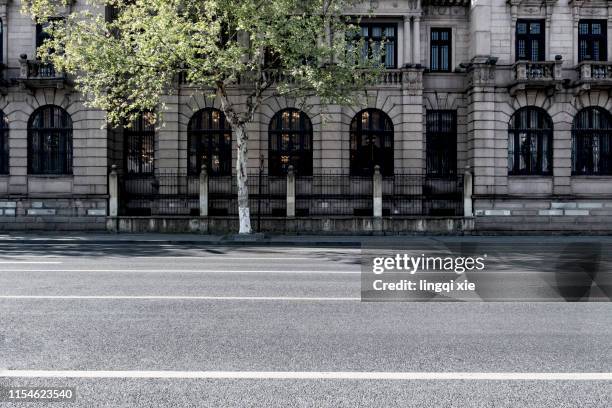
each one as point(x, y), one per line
point(595, 71)
point(525, 71)
point(387, 77)
point(541, 74)
point(37, 70)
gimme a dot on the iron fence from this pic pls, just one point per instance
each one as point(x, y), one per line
point(164, 193)
point(333, 194)
point(411, 195)
point(267, 195)
point(328, 194)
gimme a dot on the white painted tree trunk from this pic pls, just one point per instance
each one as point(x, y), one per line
point(241, 172)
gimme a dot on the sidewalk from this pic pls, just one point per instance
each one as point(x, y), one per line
point(280, 240)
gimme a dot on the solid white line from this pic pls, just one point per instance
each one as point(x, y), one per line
point(202, 298)
point(316, 272)
point(30, 262)
point(204, 257)
point(308, 375)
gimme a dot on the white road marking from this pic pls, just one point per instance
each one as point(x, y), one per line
point(315, 272)
point(202, 298)
point(128, 257)
point(312, 375)
point(30, 262)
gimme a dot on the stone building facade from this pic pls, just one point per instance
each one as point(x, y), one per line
point(516, 93)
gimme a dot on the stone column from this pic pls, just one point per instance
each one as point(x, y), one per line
point(204, 192)
point(377, 192)
point(487, 156)
point(416, 37)
point(113, 192)
point(480, 29)
point(407, 41)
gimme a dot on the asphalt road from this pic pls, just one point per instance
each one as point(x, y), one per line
point(166, 319)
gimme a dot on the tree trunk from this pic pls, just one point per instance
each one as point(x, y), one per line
point(241, 177)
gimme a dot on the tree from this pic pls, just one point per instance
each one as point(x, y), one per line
point(300, 48)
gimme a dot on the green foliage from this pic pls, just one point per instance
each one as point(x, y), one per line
point(125, 66)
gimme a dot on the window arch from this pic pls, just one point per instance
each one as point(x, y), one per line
point(139, 150)
point(371, 143)
point(592, 142)
point(290, 143)
point(530, 142)
point(50, 141)
point(4, 144)
point(209, 139)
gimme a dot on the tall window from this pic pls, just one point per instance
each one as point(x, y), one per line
point(441, 143)
point(380, 39)
point(50, 141)
point(530, 142)
point(371, 143)
point(592, 40)
point(1, 41)
point(111, 13)
point(592, 142)
point(4, 144)
point(139, 150)
point(45, 70)
point(290, 135)
point(209, 139)
point(530, 40)
point(441, 49)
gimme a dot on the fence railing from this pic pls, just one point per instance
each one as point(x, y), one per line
point(328, 194)
point(36, 69)
point(165, 193)
point(538, 71)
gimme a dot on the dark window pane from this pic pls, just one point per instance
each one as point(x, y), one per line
point(290, 143)
point(592, 40)
point(530, 142)
point(441, 48)
point(50, 141)
point(441, 143)
point(530, 42)
point(371, 143)
point(380, 43)
point(591, 142)
point(210, 138)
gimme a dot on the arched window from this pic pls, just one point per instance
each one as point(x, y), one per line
point(209, 139)
point(139, 150)
point(50, 141)
point(290, 135)
point(371, 143)
point(592, 142)
point(4, 144)
point(530, 142)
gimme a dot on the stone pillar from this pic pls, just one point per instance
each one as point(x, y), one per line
point(480, 29)
point(407, 41)
point(290, 192)
point(488, 155)
point(467, 194)
point(377, 192)
point(416, 41)
point(113, 192)
point(204, 191)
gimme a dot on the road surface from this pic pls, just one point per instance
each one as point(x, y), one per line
point(147, 324)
